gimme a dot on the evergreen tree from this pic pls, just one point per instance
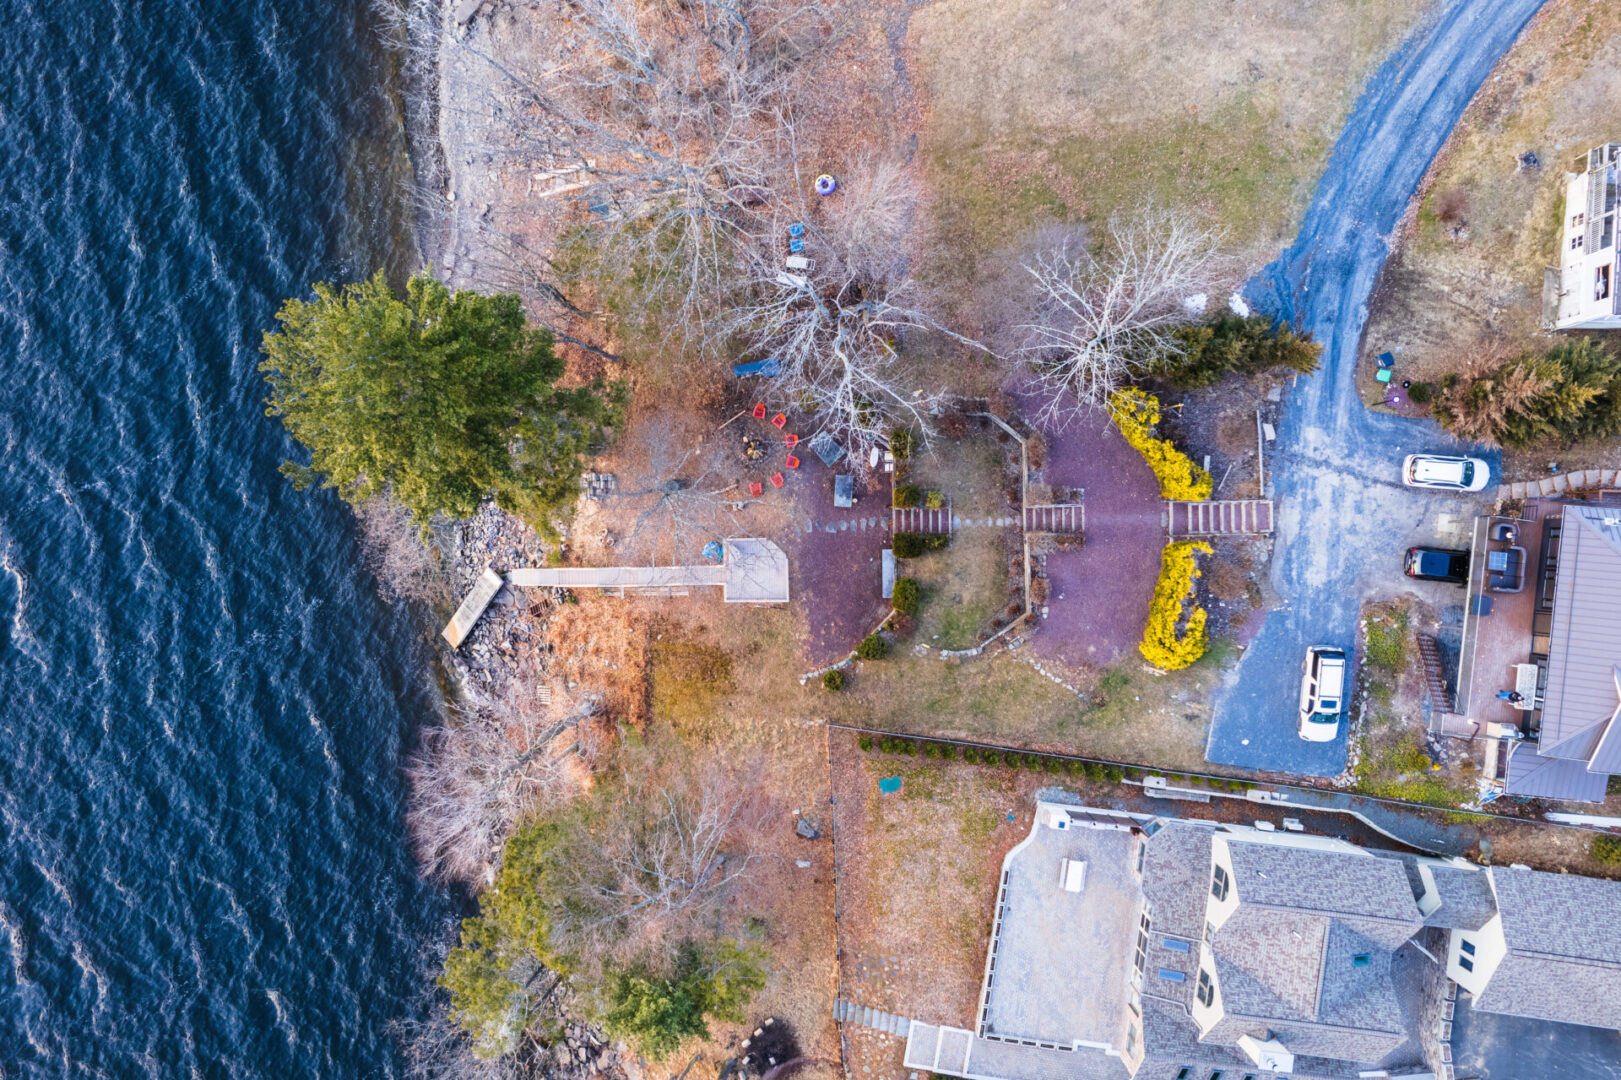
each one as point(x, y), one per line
point(440, 399)
point(1246, 346)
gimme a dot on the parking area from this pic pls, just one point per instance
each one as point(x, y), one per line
point(1489, 1046)
point(1343, 530)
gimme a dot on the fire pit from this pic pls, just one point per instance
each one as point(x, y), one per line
point(753, 449)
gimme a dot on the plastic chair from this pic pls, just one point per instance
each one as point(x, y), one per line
point(759, 411)
point(793, 462)
point(776, 479)
point(779, 421)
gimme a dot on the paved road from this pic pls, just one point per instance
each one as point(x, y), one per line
point(1343, 518)
point(1489, 1046)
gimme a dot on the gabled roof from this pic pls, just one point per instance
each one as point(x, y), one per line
point(1563, 934)
point(1467, 902)
point(1584, 641)
point(1564, 915)
point(1322, 882)
point(1269, 963)
point(1532, 774)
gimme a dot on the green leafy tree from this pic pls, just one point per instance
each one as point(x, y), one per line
point(440, 400)
point(657, 1011)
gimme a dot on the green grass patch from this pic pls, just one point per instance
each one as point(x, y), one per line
point(689, 680)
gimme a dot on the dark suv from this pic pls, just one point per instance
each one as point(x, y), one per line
point(1437, 564)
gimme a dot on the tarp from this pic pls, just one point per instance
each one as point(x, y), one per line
point(767, 367)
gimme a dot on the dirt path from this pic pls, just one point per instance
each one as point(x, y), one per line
point(1343, 516)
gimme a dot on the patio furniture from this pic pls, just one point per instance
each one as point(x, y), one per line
point(844, 491)
point(1525, 684)
point(756, 489)
point(793, 462)
point(1383, 375)
point(779, 421)
point(759, 411)
point(1505, 570)
point(776, 480)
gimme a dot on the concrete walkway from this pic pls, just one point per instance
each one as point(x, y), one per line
point(1344, 518)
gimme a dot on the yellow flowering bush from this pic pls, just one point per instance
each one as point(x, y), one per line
point(1161, 645)
point(1136, 414)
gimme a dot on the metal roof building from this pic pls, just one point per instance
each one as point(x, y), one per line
point(1580, 742)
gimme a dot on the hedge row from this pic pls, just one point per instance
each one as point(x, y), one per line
point(1092, 770)
point(1162, 645)
point(1136, 414)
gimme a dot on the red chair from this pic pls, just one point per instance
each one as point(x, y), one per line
point(793, 441)
point(793, 462)
point(776, 479)
point(759, 410)
point(779, 421)
point(756, 489)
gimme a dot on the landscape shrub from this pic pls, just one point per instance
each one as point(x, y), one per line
point(937, 541)
point(1571, 392)
point(1386, 642)
point(1114, 774)
point(931, 750)
point(872, 647)
point(909, 748)
point(908, 496)
point(865, 742)
point(1136, 414)
point(970, 754)
point(908, 545)
point(655, 1012)
point(1163, 645)
point(900, 443)
point(949, 751)
point(1607, 848)
point(1052, 765)
point(1232, 343)
point(1420, 393)
point(907, 595)
point(889, 745)
point(990, 757)
point(833, 681)
point(1075, 768)
point(935, 500)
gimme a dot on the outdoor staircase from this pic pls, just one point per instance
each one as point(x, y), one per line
point(1226, 517)
point(851, 1013)
point(1056, 518)
point(919, 519)
point(1434, 673)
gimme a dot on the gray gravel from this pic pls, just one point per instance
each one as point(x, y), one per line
point(1343, 518)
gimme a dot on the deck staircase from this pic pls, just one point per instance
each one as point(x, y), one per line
point(1226, 517)
point(920, 519)
point(1434, 673)
point(1055, 518)
point(851, 1013)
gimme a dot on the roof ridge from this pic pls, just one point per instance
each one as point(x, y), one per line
point(1321, 914)
point(1322, 971)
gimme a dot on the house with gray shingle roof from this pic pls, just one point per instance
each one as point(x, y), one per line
point(1551, 951)
point(1187, 949)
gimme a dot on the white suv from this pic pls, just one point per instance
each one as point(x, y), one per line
point(1322, 694)
point(1445, 473)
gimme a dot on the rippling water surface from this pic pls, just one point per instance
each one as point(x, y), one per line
point(202, 701)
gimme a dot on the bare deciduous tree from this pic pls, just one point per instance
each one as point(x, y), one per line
point(834, 321)
point(437, 1048)
point(395, 553)
point(680, 502)
point(664, 861)
point(1097, 320)
point(476, 776)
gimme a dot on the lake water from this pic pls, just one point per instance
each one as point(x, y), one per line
point(203, 703)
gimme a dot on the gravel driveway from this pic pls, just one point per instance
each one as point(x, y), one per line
point(1343, 517)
